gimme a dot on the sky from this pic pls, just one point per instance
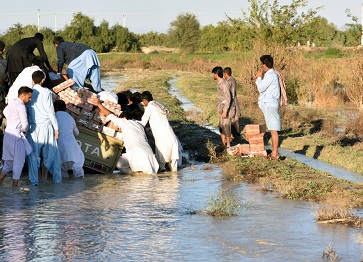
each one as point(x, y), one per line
point(141, 16)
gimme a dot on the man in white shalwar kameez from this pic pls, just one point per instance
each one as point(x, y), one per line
point(72, 157)
point(23, 79)
point(43, 132)
point(139, 156)
point(15, 146)
point(167, 145)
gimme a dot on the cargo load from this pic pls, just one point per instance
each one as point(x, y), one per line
point(100, 143)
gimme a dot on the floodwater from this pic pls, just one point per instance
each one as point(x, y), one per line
point(161, 218)
point(148, 218)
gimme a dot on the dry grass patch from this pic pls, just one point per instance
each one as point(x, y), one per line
point(337, 214)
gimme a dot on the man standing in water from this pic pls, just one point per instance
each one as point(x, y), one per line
point(16, 147)
point(43, 132)
point(167, 145)
point(269, 100)
point(223, 106)
point(235, 111)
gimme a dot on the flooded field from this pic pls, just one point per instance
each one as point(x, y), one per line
point(162, 218)
point(114, 217)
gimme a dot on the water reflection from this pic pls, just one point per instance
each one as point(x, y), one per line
point(118, 218)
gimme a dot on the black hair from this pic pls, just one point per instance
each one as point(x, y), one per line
point(2, 45)
point(122, 99)
point(218, 70)
point(137, 114)
point(228, 71)
point(24, 89)
point(59, 105)
point(267, 60)
point(39, 35)
point(37, 61)
point(38, 76)
point(126, 114)
point(136, 98)
point(147, 96)
point(57, 40)
point(128, 94)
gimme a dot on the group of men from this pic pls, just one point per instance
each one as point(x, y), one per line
point(45, 134)
point(268, 83)
point(164, 154)
point(82, 61)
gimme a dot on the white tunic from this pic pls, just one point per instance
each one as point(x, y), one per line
point(15, 146)
point(139, 154)
point(69, 149)
point(23, 79)
point(167, 145)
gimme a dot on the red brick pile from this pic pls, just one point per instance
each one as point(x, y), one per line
point(79, 106)
point(255, 147)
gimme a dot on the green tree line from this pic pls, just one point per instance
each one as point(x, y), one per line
point(264, 21)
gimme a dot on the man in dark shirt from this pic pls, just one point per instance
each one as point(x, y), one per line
point(82, 62)
point(22, 53)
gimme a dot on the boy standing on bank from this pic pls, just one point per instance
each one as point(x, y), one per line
point(223, 106)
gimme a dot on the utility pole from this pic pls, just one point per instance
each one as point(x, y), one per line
point(38, 20)
point(124, 21)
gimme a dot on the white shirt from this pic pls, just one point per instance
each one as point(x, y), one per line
point(23, 79)
point(269, 87)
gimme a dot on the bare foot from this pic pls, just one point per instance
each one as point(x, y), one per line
point(15, 182)
point(2, 177)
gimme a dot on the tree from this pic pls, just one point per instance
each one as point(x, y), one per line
point(81, 29)
point(354, 32)
point(184, 33)
point(319, 31)
point(103, 38)
point(152, 39)
point(272, 23)
point(121, 38)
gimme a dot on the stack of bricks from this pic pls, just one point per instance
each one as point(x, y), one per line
point(254, 135)
point(79, 106)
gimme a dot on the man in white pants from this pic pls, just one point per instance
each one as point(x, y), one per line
point(16, 146)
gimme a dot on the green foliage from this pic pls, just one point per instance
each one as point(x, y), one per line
point(319, 31)
point(272, 23)
point(225, 204)
point(152, 39)
point(184, 33)
point(333, 51)
point(81, 29)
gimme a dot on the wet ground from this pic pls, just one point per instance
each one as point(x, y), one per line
point(148, 218)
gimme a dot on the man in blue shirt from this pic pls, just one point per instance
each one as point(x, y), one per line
point(82, 62)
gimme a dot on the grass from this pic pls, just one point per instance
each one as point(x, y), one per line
point(225, 204)
point(329, 254)
point(337, 213)
point(293, 180)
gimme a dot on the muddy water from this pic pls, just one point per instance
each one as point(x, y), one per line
point(147, 218)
